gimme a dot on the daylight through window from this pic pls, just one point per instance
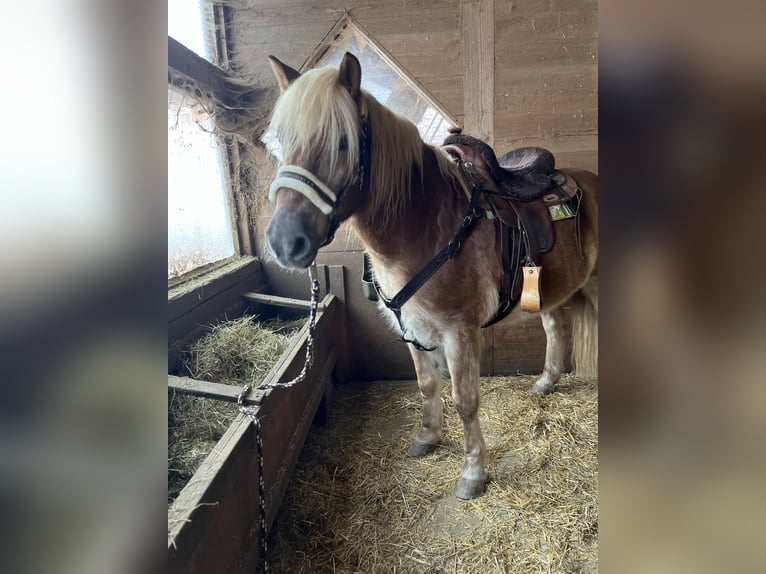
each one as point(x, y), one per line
point(199, 224)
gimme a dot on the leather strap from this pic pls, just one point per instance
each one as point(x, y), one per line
point(365, 161)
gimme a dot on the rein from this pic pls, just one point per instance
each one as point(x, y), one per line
point(318, 192)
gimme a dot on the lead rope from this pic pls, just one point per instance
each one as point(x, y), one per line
point(252, 415)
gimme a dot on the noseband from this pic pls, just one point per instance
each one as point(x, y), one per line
point(327, 201)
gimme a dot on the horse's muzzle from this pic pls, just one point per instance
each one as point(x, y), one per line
point(289, 241)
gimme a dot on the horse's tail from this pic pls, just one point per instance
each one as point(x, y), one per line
point(584, 335)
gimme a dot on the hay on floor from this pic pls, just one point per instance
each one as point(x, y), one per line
point(235, 352)
point(357, 503)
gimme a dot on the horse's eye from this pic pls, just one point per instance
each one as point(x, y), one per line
point(343, 145)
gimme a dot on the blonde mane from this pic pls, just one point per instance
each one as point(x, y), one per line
point(316, 111)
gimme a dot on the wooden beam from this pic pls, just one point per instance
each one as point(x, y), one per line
point(277, 301)
point(241, 107)
point(210, 390)
point(193, 292)
point(479, 58)
point(182, 60)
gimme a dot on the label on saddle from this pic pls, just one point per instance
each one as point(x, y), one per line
point(560, 209)
point(562, 201)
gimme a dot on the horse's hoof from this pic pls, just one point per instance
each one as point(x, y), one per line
point(468, 489)
point(541, 388)
point(419, 449)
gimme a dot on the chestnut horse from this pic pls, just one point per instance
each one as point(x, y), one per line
point(347, 157)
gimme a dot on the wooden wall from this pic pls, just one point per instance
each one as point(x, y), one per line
point(546, 78)
point(520, 72)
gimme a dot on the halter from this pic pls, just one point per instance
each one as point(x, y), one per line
point(318, 192)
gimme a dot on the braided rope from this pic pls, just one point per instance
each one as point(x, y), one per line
point(253, 416)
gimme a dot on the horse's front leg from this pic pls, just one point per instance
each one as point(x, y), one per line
point(463, 351)
point(428, 368)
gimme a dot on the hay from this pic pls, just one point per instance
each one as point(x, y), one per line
point(234, 353)
point(240, 351)
point(195, 425)
point(357, 503)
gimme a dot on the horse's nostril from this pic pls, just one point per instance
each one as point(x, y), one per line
point(300, 247)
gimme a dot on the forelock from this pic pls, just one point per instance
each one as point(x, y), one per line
point(313, 114)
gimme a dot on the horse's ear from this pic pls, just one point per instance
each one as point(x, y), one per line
point(284, 73)
point(350, 74)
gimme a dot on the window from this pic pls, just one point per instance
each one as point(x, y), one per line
point(200, 227)
point(199, 224)
point(385, 80)
point(187, 24)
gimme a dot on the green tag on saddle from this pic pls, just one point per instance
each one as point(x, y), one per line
point(560, 211)
point(559, 207)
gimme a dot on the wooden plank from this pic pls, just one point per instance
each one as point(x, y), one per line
point(211, 390)
point(519, 347)
point(337, 282)
point(322, 277)
point(283, 470)
point(278, 301)
point(216, 488)
point(209, 83)
point(338, 288)
point(182, 60)
point(479, 62)
point(190, 294)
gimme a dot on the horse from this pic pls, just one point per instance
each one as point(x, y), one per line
point(346, 157)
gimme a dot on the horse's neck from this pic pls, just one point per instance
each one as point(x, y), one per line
point(425, 224)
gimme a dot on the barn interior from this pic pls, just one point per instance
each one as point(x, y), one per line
point(510, 73)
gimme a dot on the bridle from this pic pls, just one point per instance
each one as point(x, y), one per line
point(327, 201)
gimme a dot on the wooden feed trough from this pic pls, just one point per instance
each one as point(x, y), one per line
point(213, 524)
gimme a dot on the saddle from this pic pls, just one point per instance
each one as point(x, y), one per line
point(523, 190)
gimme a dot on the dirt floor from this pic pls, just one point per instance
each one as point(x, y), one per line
point(357, 503)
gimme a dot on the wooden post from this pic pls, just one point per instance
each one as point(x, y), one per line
point(479, 80)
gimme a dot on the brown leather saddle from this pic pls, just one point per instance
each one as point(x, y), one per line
point(523, 190)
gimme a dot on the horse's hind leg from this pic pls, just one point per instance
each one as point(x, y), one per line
point(462, 353)
point(553, 323)
point(428, 368)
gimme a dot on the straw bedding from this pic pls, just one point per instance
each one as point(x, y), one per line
point(233, 353)
point(357, 503)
